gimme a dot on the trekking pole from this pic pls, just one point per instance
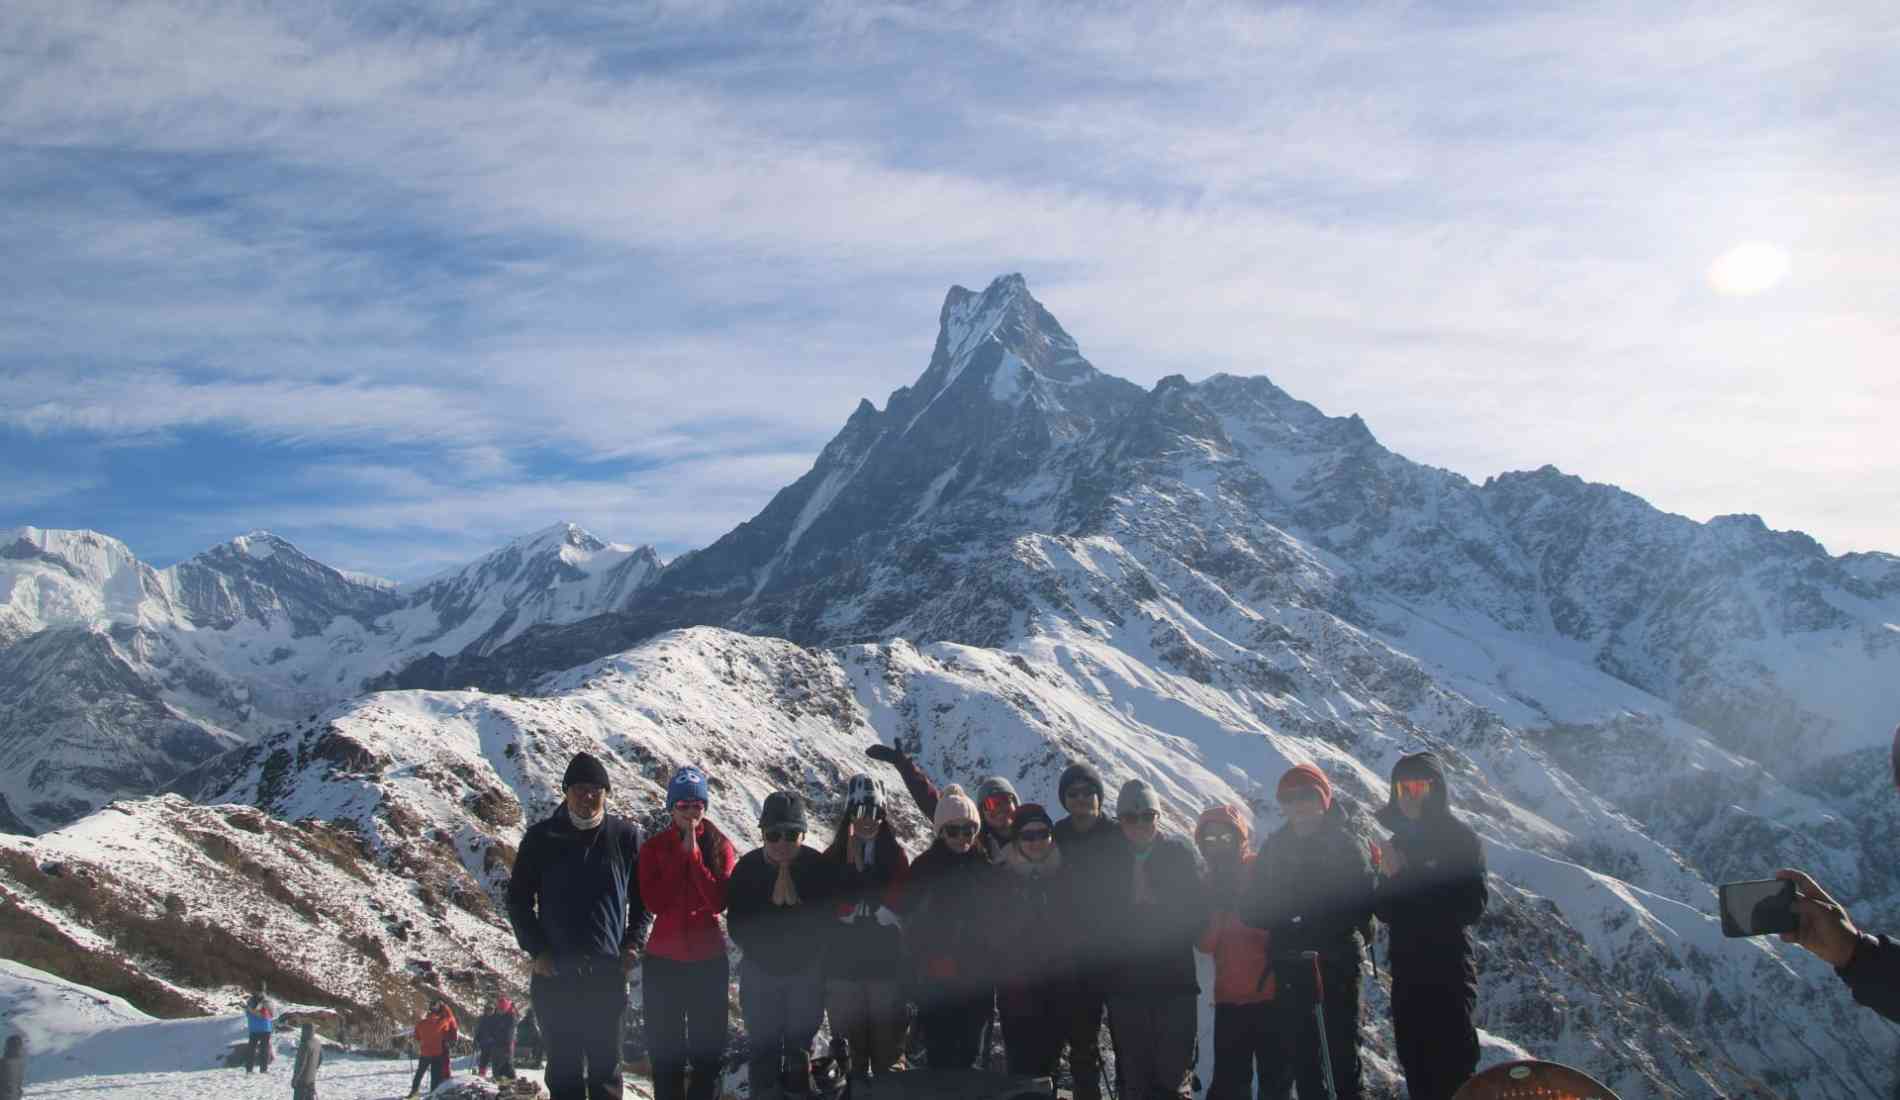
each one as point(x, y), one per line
point(1319, 1023)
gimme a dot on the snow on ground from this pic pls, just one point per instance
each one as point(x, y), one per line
point(84, 1043)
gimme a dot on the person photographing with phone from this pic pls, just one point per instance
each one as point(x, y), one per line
point(1870, 965)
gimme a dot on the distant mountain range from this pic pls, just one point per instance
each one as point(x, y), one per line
point(1019, 560)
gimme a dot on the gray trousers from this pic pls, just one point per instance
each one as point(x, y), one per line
point(1154, 1044)
point(782, 1014)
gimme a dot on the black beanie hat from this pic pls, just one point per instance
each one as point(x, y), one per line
point(1029, 813)
point(585, 768)
point(1079, 772)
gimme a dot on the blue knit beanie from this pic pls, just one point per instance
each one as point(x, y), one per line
point(688, 783)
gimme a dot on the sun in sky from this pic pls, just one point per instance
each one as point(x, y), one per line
point(1749, 268)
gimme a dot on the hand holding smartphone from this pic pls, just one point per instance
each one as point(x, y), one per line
point(1757, 907)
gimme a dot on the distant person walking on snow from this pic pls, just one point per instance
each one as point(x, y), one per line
point(575, 903)
point(434, 1033)
point(779, 909)
point(1433, 889)
point(495, 1041)
point(684, 871)
point(303, 1072)
point(13, 1069)
point(259, 1020)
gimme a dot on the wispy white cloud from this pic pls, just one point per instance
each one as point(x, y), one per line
point(676, 233)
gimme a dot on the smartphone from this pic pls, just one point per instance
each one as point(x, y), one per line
point(1757, 907)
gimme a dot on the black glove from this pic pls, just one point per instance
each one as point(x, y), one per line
point(888, 754)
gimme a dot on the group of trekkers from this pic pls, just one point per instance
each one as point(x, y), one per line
point(435, 1035)
point(1052, 925)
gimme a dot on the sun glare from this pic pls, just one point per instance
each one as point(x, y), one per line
point(1749, 269)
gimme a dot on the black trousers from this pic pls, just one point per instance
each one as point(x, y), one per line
point(257, 1052)
point(1437, 1038)
point(1246, 1044)
point(952, 1019)
point(1086, 1008)
point(1032, 1041)
point(1299, 1034)
point(437, 1066)
point(580, 1011)
point(685, 1006)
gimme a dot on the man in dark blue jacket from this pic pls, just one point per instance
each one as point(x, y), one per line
point(574, 901)
point(1432, 890)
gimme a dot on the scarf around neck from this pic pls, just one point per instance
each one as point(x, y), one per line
point(585, 823)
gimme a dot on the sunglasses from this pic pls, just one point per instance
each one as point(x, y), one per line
point(997, 803)
point(1220, 838)
point(1145, 817)
point(1034, 836)
point(689, 804)
point(959, 831)
point(1414, 788)
point(780, 836)
point(1080, 792)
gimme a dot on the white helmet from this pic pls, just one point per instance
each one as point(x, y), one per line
point(863, 790)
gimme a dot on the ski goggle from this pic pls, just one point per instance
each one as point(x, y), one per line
point(1220, 836)
point(961, 832)
point(689, 804)
point(997, 803)
point(1414, 788)
point(781, 836)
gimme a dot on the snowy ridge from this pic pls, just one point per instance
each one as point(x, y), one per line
point(114, 676)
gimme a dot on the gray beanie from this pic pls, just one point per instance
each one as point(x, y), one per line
point(1137, 797)
point(996, 784)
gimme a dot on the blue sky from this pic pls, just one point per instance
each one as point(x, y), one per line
point(401, 281)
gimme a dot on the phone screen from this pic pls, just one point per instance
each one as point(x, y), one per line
point(1757, 907)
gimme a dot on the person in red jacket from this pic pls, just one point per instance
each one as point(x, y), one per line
point(1244, 1040)
point(434, 1033)
point(683, 874)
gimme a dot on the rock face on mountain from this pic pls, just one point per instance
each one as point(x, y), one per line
point(115, 677)
point(1020, 560)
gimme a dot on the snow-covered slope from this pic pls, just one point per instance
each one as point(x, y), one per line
point(115, 676)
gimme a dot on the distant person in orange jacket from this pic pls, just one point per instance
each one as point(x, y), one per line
point(434, 1033)
point(1245, 1043)
point(684, 870)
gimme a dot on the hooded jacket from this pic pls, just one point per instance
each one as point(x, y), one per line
point(1313, 893)
point(947, 904)
point(496, 1031)
point(860, 948)
point(1239, 950)
point(685, 886)
point(1441, 892)
point(575, 893)
point(435, 1032)
point(783, 940)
